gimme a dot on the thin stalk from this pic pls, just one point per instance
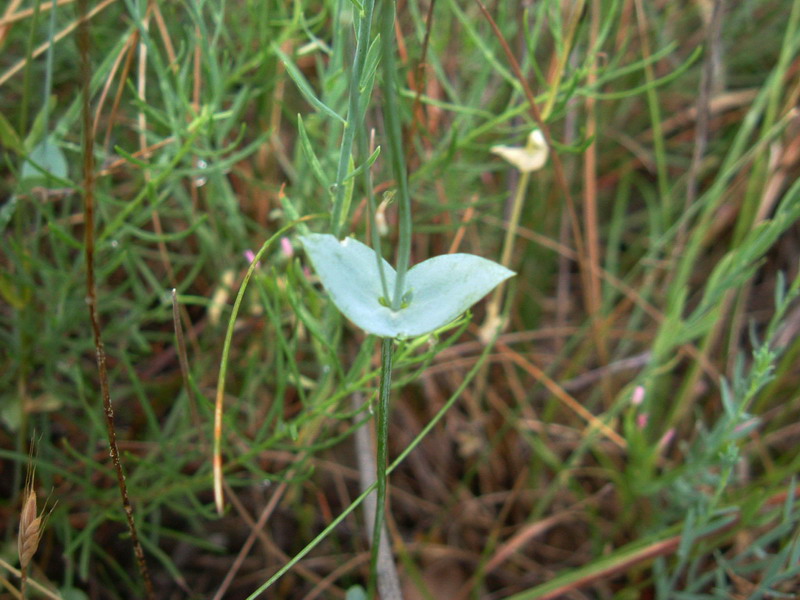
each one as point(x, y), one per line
point(353, 113)
point(594, 291)
point(394, 139)
point(493, 324)
point(760, 172)
point(563, 57)
point(32, 582)
point(558, 167)
point(48, 71)
point(424, 433)
point(513, 223)
point(223, 368)
point(26, 76)
point(659, 144)
point(493, 321)
point(375, 238)
point(388, 582)
point(387, 354)
point(707, 85)
point(91, 294)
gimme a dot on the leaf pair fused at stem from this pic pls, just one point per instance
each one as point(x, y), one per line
point(392, 304)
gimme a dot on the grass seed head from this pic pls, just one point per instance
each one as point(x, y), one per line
point(30, 529)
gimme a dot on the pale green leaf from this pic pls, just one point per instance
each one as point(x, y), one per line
point(438, 289)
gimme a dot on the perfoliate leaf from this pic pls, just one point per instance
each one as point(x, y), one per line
point(437, 291)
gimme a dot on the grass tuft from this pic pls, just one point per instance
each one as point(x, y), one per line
point(629, 434)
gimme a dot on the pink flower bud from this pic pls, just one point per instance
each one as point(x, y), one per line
point(286, 247)
point(666, 438)
point(638, 395)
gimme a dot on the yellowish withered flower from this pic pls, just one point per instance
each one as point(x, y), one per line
point(531, 157)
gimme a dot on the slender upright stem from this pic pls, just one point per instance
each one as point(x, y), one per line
point(394, 139)
point(375, 240)
point(354, 113)
point(387, 354)
point(492, 323)
point(91, 293)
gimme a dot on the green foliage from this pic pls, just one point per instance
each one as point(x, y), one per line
point(221, 127)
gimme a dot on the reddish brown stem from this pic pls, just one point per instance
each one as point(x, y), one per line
point(91, 293)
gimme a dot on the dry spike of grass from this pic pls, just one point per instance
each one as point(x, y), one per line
point(31, 525)
point(30, 529)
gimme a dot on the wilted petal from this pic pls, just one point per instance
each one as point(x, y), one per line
point(530, 158)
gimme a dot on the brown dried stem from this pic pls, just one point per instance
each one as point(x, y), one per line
point(91, 292)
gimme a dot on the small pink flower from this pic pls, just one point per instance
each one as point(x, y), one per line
point(641, 420)
point(638, 395)
point(286, 247)
point(666, 438)
point(250, 256)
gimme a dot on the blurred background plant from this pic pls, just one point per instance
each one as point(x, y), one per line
point(656, 255)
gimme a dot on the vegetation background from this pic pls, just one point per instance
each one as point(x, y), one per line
point(633, 431)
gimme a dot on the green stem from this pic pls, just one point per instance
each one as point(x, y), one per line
point(394, 135)
point(424, 433)
point(375, 240)
point(387, 354)
point(353, 114)
point(491, 323)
